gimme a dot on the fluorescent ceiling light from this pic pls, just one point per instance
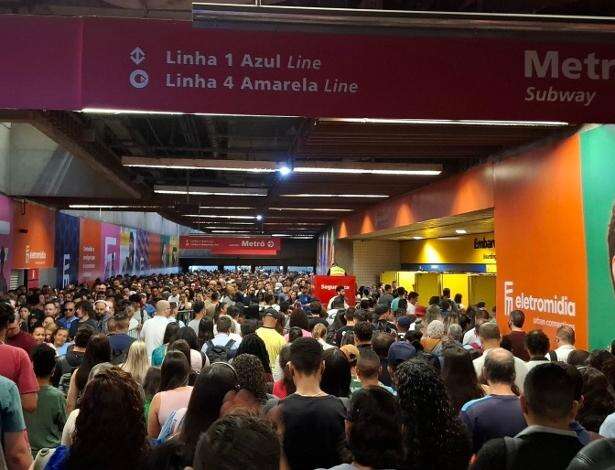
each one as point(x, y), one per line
point(226, 222)
point(295, 223)
point(230, 231)
point(267, 166)
point(462, 122)
point(259, 217)
point(233, 208)
point(461, 231)
point(216, 216)
point(162, 113)
point(417, 238)
point(210, 191)
point(366, 171)
point(310, 209)
point(370, 196)
point(109, 206)
point(297, 237)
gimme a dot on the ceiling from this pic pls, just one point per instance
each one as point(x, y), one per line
point(112, 141)
point(471, 223)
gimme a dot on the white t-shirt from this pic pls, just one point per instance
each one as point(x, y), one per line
point(520, 369)
point(153, 333)
point(69, 428)
point(411, 309)
point(471, 337)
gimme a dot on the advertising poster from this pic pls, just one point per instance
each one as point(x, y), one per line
point(173, 250)
point(142, 261)
point(6, 222)
point(128, 242)
point(90, 250)
point(597, 147)
point(66, 249)
point(555, 294)
point(110, 242)
point(155, 250)
point(34, 233)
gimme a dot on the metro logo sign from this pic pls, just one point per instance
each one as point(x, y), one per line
point(203, 246)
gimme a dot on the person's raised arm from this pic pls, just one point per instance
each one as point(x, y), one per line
point(71, 398)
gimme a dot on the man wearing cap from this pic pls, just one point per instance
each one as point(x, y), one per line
point(400, 351)
point(273, 340)
point(403, 325)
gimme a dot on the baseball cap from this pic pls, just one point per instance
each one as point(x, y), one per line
point(400, 351)
point(420, 311)
point(405, 321)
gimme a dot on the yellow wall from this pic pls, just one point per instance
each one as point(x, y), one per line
point(455, 250)
point(458, 284)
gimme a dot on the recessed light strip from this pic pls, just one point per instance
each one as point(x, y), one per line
point(310, 209)
point(216, 216)
point(211, 191)
point(315, 195)
point(451, 122)
point(283, 168)
point(109, 206)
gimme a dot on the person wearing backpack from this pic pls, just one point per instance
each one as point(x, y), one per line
point(222, 347)
point(70, 362)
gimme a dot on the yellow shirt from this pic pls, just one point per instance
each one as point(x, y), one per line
point(274, 342)
point(337, 271)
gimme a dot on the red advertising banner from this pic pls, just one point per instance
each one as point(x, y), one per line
point(203, 246)
point(162, 65)
point(325, 286)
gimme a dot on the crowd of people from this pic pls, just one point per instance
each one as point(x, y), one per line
point(226, 371)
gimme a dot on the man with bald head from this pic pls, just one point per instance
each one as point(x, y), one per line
point(153, 329)
point(499, 413)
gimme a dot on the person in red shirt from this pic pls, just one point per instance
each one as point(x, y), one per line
point(15, 364)
point(18, 338)
point(515, 340)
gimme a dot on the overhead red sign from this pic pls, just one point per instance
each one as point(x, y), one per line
point(197, 245)
point(325, 288)
point(160, 65)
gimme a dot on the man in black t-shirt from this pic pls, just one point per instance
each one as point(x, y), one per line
point(313, 421)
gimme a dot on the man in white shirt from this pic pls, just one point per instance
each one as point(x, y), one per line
point(490, 338)
point(472, 337)
point(224, 337)
point(564, 338)
point(153, 329)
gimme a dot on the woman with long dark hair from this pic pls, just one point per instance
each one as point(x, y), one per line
point(196, 358)
point(110, 429)
point(459, 377)
point(174, 392)
point(98, 350)
point(427, 413)
point(206, 331)
point(211, 386)
point(253, 344)
point(337, 376)
point(598, 401)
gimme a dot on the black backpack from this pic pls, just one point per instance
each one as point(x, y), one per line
point(220, 353)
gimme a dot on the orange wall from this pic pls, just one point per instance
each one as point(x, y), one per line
point(35, 248)
point(471, 191)
point(540, 236)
